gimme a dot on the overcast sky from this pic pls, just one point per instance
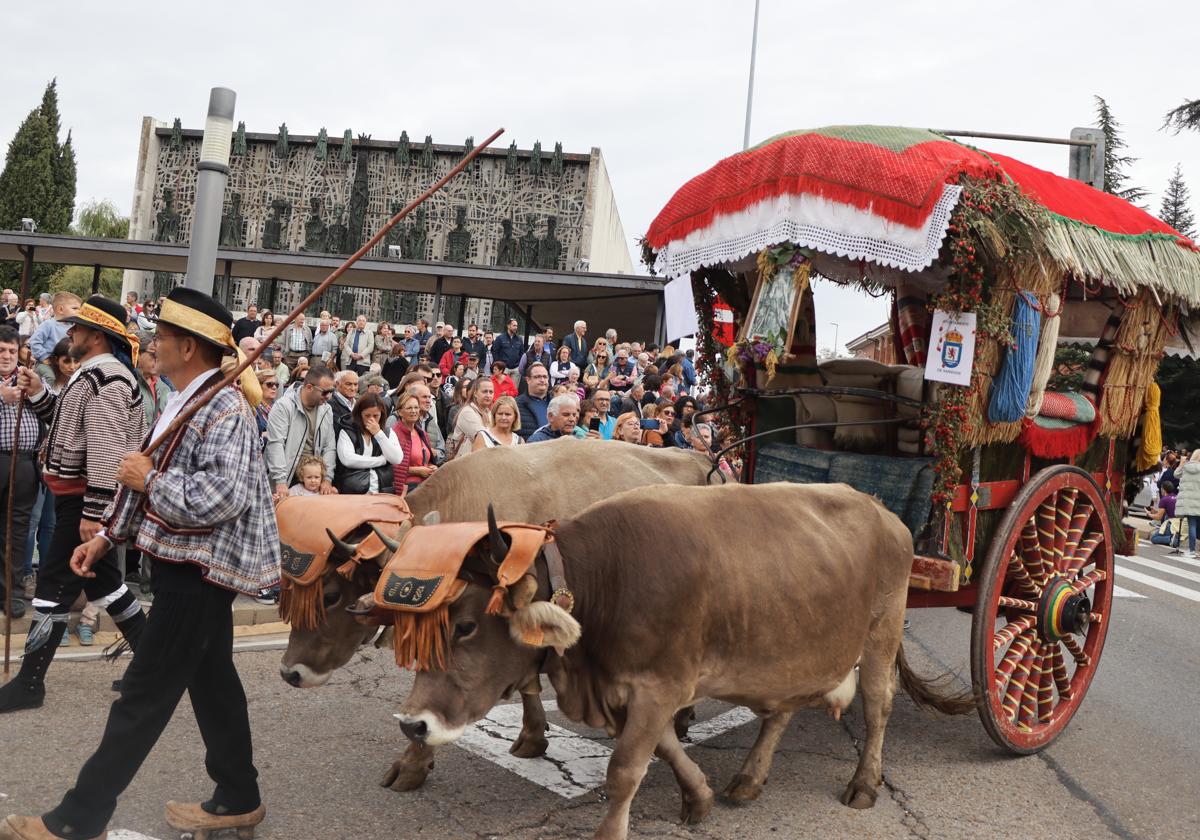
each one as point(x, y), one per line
point(660, 87)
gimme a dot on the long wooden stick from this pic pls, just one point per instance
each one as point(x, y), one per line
point(12, 477)
point(233, 375)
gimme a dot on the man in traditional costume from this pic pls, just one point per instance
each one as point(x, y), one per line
point(200, 508)
point(93, 421)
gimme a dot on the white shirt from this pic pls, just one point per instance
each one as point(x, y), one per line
point(389, 445)
point(177, 400)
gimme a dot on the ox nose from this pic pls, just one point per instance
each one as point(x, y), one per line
point(292, 678)
point(414, 730)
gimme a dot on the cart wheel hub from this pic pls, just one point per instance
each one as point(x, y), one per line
point(1062, 612)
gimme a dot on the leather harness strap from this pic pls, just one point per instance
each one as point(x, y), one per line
point(560, 594)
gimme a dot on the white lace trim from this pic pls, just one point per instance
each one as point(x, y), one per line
point(810, 221)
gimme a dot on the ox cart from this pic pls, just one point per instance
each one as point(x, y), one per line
point(1004, 455)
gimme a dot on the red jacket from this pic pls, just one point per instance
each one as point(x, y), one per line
point(448, 361)
point(505, 387)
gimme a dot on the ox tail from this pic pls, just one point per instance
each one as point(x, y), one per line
point(934, 693)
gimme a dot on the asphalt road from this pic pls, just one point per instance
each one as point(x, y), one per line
point(1128, 767)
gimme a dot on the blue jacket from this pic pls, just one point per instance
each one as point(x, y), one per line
point(544, 433)
point(533, 413)
point(508, 349)
point(579, 350)
point(689, 375)
point(48, 334)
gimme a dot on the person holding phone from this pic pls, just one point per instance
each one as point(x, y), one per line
point(629, 428)
point(588, 426)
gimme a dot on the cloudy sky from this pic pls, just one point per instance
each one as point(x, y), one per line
point(660, 87)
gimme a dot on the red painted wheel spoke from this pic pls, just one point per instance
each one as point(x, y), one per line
point(1008, 665)
point(1029, 693)
point(1081, 658)
point(1010, 631)
point(1030, 553)
point(1045, 696)
point(1021, 675)
point(1020, 575)
point(1079, 521)
point(1087, 548)
point(1058, 666)
point(1062, 522)
point(1084, 581)
point(1045, 534)
point(1018, 604)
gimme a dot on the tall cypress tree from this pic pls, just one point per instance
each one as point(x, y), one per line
point(1115, 178)
point(1175, 209)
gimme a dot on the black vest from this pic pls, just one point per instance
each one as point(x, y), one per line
point(357, 480)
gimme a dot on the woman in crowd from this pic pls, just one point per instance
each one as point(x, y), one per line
point(684, 408)
point(269, 383)
point(587, 413)
point(598, 372)
point(62, 365)
point(652, 437)
point(27, 320)
point(574, 385)
point(474, 416)
point(666, 422)
point(506, 421)
point(366, 453)
point(452, 357)
point(1187, 503)
point(601, 346)
point(266, 327)
point(629, 428)
point(383, 344)
point(562, 366)
point(416, 465)
point(45, 308)
point(505, 387)
point(459, 394)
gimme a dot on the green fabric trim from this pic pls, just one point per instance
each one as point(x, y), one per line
point(891, 137)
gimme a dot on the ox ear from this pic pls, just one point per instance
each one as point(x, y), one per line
point(432, 518)
point(544, 624)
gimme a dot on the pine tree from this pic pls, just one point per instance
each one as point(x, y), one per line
point(64, 187)
point(1175, 209)
point(1186, 115)
point(1115, 177)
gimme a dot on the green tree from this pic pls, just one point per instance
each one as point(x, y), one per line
point(1177, 376)
point(1186, 116)
point(1175, 209)
point(78, 279)
point(100, 220)
point(1116, 180)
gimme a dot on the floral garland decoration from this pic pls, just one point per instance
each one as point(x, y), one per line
point(769, 350)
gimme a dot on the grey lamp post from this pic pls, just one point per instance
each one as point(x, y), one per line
point(210, 190)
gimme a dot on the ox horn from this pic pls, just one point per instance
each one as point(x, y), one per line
point(393, 545)
point(497, 538)
point(341, 545)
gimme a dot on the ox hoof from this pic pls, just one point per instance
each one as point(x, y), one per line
point(742, 788)
point(859, 796)
point(696, 806)
point(529, 745)
point(404, 774)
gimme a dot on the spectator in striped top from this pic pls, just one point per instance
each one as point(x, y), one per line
point(94, 421)
point(23, 447)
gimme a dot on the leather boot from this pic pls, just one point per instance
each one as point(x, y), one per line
point(191, 816)
point(27, 689)
point(32, 828)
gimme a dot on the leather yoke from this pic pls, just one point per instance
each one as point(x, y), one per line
point(423, 574)
point(305, 547)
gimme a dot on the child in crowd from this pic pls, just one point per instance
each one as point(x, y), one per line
point(311, 473)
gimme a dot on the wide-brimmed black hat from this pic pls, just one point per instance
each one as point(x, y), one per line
point(107, 316)
point(200, 315)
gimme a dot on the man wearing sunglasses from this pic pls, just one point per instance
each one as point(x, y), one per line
point(301, 423)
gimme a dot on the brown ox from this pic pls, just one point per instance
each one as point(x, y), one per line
point(756, 596)
point(533, 483)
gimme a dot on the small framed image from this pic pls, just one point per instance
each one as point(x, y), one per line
point(773, 311)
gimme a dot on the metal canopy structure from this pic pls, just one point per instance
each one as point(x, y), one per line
point(631, 304)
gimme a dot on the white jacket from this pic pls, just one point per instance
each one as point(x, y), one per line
point(1188, 501)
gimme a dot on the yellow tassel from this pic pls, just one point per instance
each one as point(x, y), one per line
point(770, 362)
point(1152, 440)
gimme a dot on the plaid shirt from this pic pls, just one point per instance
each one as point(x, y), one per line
point(207, 501)
point(32, 429)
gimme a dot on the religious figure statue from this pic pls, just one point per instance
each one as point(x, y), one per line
point(535, 160)
point(510, 160)
point(395, 236)
point(556, 162)
point(347, 146)
point(427, 152)
point(358, 195)
point(322, 151)
point(468, 146)
point(413, 245)
point(508, 251)
point(403, 150)
point(458, 241)
point(239, 139)
point(177, 134)
point(314, 228)
point(274, 229)
point(529, 244)
point(549, 249)
point(232, 222)
point(336, 237)
point(281, 142)
point(167, 219)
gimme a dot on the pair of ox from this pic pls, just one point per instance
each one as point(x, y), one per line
point(776, 628)
point(535, 483)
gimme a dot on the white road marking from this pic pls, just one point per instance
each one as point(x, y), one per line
point(573, 765)
point(1163, 567)
point(123, 834)
point(1165, 586)
point(1122, 592)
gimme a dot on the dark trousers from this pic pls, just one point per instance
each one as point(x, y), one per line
point(56, 582)
point(187, 646)
point(25, 487)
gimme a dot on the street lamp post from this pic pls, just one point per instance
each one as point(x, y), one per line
point(835, 338)
point(750, 85)
point(210, 190)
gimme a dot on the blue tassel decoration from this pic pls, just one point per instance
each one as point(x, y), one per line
point(1010, 389)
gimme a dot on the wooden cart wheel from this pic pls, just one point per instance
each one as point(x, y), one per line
point(1043, 609)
